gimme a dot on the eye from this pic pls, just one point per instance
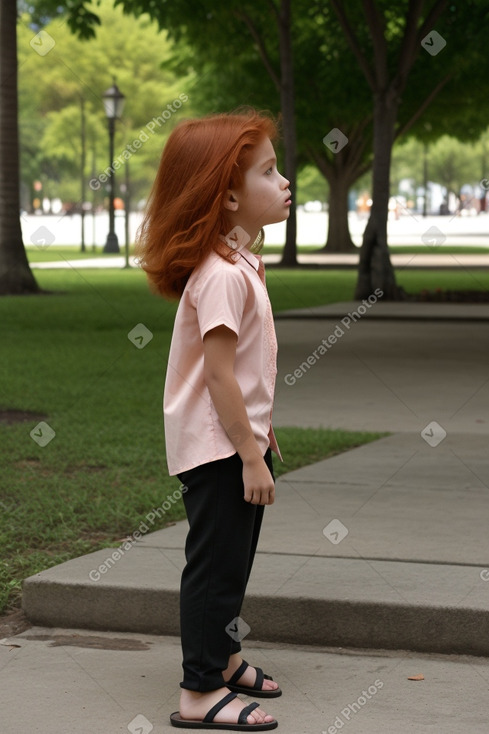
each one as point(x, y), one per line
point(269, 171)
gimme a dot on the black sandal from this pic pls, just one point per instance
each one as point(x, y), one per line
point(209, 723)
point(255, 690)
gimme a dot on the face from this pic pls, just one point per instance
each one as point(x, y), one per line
point(264, 197)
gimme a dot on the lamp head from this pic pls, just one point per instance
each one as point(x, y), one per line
point(113, 100)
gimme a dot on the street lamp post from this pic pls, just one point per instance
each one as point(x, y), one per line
point(127, 213)
point(114, 104)
point(82, 166)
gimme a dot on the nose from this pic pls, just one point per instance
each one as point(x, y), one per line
point(285, 182)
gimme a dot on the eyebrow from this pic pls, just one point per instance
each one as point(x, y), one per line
point(269, 160)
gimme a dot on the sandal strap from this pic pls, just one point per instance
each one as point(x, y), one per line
point(209, 717)
point(243, 716)
point(239, 672)
point(259, 679)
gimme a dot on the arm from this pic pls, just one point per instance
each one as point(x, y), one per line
point(219, 357)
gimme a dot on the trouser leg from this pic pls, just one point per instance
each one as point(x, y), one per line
point(236, 644)
point(220, 547)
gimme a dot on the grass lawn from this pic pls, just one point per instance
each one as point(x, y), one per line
point(303, 288)
point(67, 357)
point(397, 249)
point(60, 252)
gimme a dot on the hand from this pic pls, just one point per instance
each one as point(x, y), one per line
point(259, 487)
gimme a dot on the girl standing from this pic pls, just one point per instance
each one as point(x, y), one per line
point(216, 187)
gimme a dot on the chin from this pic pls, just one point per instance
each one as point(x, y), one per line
point(280, 217)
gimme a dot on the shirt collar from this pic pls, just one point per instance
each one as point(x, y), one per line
point(250, 257)
point(254, 260)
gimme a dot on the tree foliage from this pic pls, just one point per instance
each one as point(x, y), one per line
point(369, 68)
point(50, 113)
point(407, 54)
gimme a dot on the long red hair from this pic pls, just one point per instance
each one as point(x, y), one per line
point(185, 215)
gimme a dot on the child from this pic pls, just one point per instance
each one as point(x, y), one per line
point(216, 187)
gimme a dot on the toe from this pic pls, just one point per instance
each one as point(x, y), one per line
point(259, 716)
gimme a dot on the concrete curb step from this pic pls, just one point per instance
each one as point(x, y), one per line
point(299, 599)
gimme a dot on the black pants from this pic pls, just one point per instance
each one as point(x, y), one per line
point(219, 549)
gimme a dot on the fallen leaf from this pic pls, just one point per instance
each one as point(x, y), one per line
point(416, 677)
point(7, 643)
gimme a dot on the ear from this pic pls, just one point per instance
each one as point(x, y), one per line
point(230, 201)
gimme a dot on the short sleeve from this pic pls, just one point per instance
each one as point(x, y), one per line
point(222, 299)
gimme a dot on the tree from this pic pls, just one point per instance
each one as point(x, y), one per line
point(281, 13)
point(15, 274)
point(452, 164)
point(361, 72)
point(50, 114)
point(386, 43)
point(352, 68)
point(449, 162)
point(310, 185)
point(341, 170)
point(287, 40)
point(215, 35)
point(332, 98)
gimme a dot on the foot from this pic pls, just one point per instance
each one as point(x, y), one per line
point(194, 705)
point(249, 676)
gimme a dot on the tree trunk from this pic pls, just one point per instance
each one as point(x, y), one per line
point(15, 274)
point(375, 268)
point(287, 103)
point(338, 237)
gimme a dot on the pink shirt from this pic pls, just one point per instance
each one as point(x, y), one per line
point(235, 295)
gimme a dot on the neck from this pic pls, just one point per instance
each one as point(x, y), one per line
point(244, 231)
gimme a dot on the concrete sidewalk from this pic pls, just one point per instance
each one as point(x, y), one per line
point(349, 260)
point(384, 546)
point(66, 680)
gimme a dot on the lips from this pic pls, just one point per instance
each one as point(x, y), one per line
point(288, 200)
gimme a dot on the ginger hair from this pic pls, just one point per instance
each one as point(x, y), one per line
point(185, 213)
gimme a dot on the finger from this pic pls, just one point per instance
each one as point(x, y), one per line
point(253, 499)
